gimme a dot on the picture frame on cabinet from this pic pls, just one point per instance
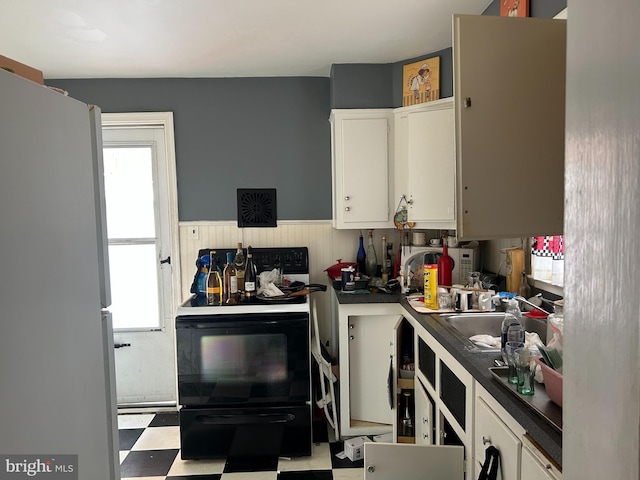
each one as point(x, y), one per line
point(514, 8)
point(421, 81)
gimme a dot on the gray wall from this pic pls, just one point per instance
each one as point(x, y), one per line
point(235, 133)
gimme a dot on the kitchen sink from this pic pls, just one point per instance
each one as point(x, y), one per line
point(469, 324)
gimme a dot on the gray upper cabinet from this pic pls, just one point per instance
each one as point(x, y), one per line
point(509, 90)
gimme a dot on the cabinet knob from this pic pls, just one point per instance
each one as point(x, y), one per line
point(351, 337)
point(467, 102)
point(371, 468)
point(485, 440)
point(346, 209)
point(410, 201)
point(424, 420)
point(347, 198)
point(351, 325)
point(548, 466)
point(425, 436)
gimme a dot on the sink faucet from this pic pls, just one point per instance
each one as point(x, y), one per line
point(524, 300)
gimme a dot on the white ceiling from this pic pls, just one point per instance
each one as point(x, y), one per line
point(221, 38)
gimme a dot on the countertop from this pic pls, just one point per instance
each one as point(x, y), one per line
point(477, 364)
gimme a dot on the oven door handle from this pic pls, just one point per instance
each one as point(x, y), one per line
point(244, 419)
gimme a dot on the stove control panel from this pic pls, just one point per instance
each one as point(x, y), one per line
point(292, 260)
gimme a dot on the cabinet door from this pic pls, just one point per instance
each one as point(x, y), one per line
point(431, 165)
point(423, 416)
point(361, 170)
point(490, 430)
point(532, 469)
point(509, 91)
point(370, 337)
point(388, 461)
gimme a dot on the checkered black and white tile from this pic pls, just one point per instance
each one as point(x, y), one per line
point(150, 450)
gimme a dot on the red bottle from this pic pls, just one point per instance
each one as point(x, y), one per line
point(445, 266)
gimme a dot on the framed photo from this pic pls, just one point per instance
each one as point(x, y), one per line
point(421, 81)
point(514, 8)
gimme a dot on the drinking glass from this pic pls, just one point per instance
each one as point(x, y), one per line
point(526, 368)
point(510, 348)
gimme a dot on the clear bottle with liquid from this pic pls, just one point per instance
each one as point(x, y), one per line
point(407, 420)
point(230, 279)
point(512, 330)
point(372, 258)
point(239, 261)
point(214, 282)
point(384, 269)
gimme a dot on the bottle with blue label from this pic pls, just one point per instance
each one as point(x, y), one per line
point(201, 283)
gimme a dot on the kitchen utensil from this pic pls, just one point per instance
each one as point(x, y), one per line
point(291, 296)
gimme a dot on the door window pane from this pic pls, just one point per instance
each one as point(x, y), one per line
point(128, 182)
point(134, 291)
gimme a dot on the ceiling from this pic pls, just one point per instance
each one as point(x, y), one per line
point(221, 38)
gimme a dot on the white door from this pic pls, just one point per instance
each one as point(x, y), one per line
point(141, 209)
point(369, 339)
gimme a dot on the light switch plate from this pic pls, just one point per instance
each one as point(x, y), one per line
point(194, 232)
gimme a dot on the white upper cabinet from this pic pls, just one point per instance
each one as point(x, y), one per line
point(361, 168)
point(425, 163)
point(509, 90)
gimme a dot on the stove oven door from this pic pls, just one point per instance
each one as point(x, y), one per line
point(247, 360)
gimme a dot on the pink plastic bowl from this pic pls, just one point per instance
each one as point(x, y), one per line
point(552, 382)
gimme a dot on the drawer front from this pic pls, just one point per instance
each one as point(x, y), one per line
point(490, 430)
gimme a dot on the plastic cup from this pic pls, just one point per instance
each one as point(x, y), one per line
point(510, 348)
point(526, 368)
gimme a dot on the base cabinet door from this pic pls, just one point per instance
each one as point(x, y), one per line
point(391, 461)
point(491, 431)
point(534, 469)
point(424, 416)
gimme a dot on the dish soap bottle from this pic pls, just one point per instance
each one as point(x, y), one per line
point(372, 258)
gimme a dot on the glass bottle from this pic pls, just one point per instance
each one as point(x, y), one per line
point(372, 258)
point(361, 257)
point(524, 290)
point(214, 282)
point(230, 278)
point(445, 266)
point(511, 330)
point(407, 421)
point(201, 284)
point(250, 279)
point(239, 262)
point(384, 271)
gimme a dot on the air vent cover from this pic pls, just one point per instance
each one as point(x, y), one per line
point(257, 207)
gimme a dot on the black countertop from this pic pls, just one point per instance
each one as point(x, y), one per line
point(477, 364)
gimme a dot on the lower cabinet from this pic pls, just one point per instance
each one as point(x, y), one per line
point(389, 461)
point(365, 334)
point(491, 431)
point(535, 466)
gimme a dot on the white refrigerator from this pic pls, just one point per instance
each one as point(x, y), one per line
point(57, 385)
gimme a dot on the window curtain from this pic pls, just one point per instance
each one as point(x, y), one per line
point(547, 259)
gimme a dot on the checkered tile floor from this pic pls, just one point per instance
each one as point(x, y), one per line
point(150, 450)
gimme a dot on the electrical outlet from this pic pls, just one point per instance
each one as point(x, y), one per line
point(194, 232)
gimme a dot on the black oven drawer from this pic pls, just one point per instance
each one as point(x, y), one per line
point(245, 432)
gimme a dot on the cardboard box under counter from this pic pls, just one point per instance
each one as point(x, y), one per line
point(21, 69)
point(354, 448)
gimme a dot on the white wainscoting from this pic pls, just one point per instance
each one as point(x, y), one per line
point(325, 244)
